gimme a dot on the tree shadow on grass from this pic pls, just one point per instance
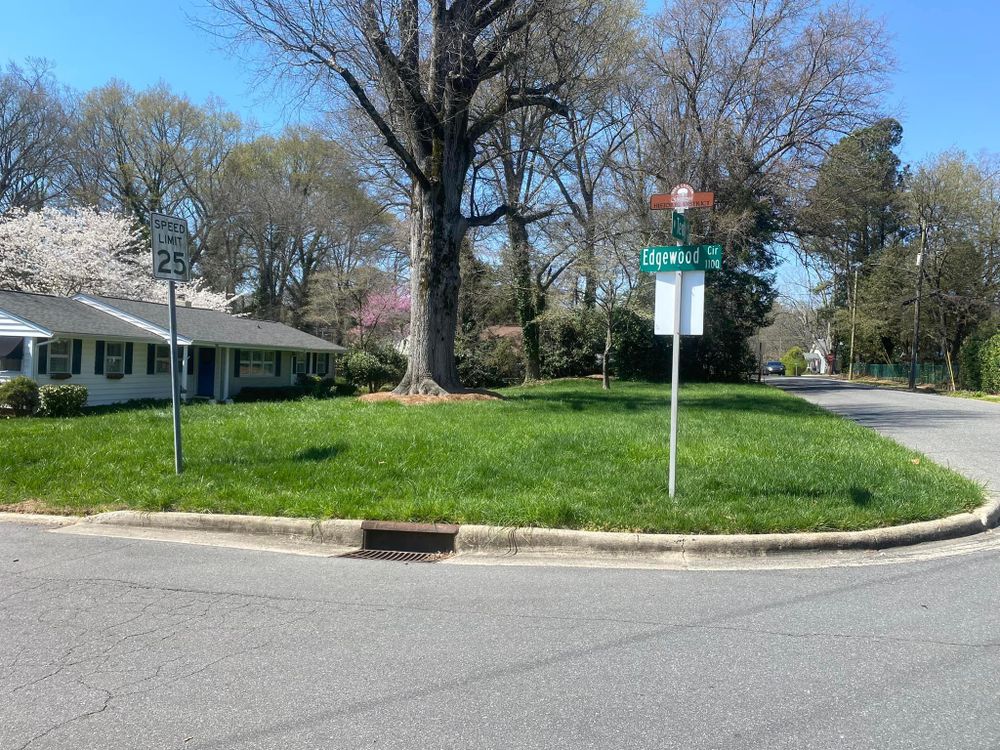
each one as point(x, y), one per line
point(619, 402)
point(752, 404)
point(860, 496)
point(319, 453)
point(539, 399)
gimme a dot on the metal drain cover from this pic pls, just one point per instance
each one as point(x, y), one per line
point(395, 556)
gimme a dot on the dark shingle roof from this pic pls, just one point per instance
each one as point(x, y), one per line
point(62, 315)
point(213, 327)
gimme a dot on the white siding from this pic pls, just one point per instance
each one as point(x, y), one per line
point(104, 390)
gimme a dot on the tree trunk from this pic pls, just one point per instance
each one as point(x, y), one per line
point(605, 379)
point(524, 296)
point(588, 255)
point(436, 231)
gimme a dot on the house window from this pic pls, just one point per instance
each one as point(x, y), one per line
point(162, 364)
point(300, 365)
point(59, 356)
point(256, 363)
point(114, 358)
point(11, 353)
point(320, 364)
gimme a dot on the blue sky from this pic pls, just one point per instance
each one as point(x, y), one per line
point(946, 94)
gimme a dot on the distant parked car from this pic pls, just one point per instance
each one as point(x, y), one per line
point(774, 368)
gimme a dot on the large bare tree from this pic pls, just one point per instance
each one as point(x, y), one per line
point(34, 125)
point(417, 69)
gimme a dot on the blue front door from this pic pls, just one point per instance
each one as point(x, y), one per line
point(206, 372)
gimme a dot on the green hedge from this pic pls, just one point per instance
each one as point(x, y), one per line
point(62, 400)
point(794, 361)
point(252, 394)
point(989, 365)
point(970, 355)
point(20, 395)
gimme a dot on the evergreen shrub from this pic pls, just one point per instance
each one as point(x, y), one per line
point(794, 361)
point(61, 400)
point(20, 395)
point(989, 365)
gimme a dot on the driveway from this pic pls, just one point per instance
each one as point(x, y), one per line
point(963, 434)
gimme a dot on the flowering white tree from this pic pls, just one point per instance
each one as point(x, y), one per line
point(66, 252)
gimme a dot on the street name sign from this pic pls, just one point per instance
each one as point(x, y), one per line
point(169, 236)
point(680, 228)
point(681, 258)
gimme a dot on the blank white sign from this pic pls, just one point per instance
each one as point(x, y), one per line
point(692, 303)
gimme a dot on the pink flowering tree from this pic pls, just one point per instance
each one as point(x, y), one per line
point(382, 314)
point(65, 252)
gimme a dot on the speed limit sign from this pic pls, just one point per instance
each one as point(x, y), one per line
point(169, 235)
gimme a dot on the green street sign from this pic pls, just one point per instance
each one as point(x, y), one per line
point(681, 258)
point(680, 229)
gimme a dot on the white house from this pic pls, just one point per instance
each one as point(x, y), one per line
point(818, 358)
point(119, 349)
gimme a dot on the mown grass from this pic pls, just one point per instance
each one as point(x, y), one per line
point(562, 454)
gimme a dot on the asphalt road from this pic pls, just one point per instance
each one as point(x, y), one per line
point(963, 434)
point(123, 643)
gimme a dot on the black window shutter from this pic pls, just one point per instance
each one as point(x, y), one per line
point(190, 359)
point(327, 368)
point(236, 363)
point(129, 351)
point(150, 359)
point(43, 359)
point(77, 356)
point(99, 358)
point(295, 364)
point(277, 364)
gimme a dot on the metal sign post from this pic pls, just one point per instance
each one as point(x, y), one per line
point(175, 382)
point(169, 238)
point(678, 259)
point(675, 370)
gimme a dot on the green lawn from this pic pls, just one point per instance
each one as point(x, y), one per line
point(562, 454)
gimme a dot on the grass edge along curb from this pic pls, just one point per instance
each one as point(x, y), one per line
point(486, 539)
point(475, 539)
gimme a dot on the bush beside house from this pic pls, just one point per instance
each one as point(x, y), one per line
point(61, 400)
point(20, 396)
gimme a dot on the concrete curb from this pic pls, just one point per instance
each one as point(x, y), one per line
point(507, 541)
point(337, 533)
point(491, 539)
point(39, 519)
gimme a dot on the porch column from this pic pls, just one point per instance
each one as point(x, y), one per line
point(28, 358)
point(226, 367)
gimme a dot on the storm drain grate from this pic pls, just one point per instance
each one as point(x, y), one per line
point(396, 556)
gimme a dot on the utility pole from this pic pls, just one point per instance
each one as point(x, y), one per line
point(916, 305)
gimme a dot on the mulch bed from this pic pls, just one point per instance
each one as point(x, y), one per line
point(418, 400)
